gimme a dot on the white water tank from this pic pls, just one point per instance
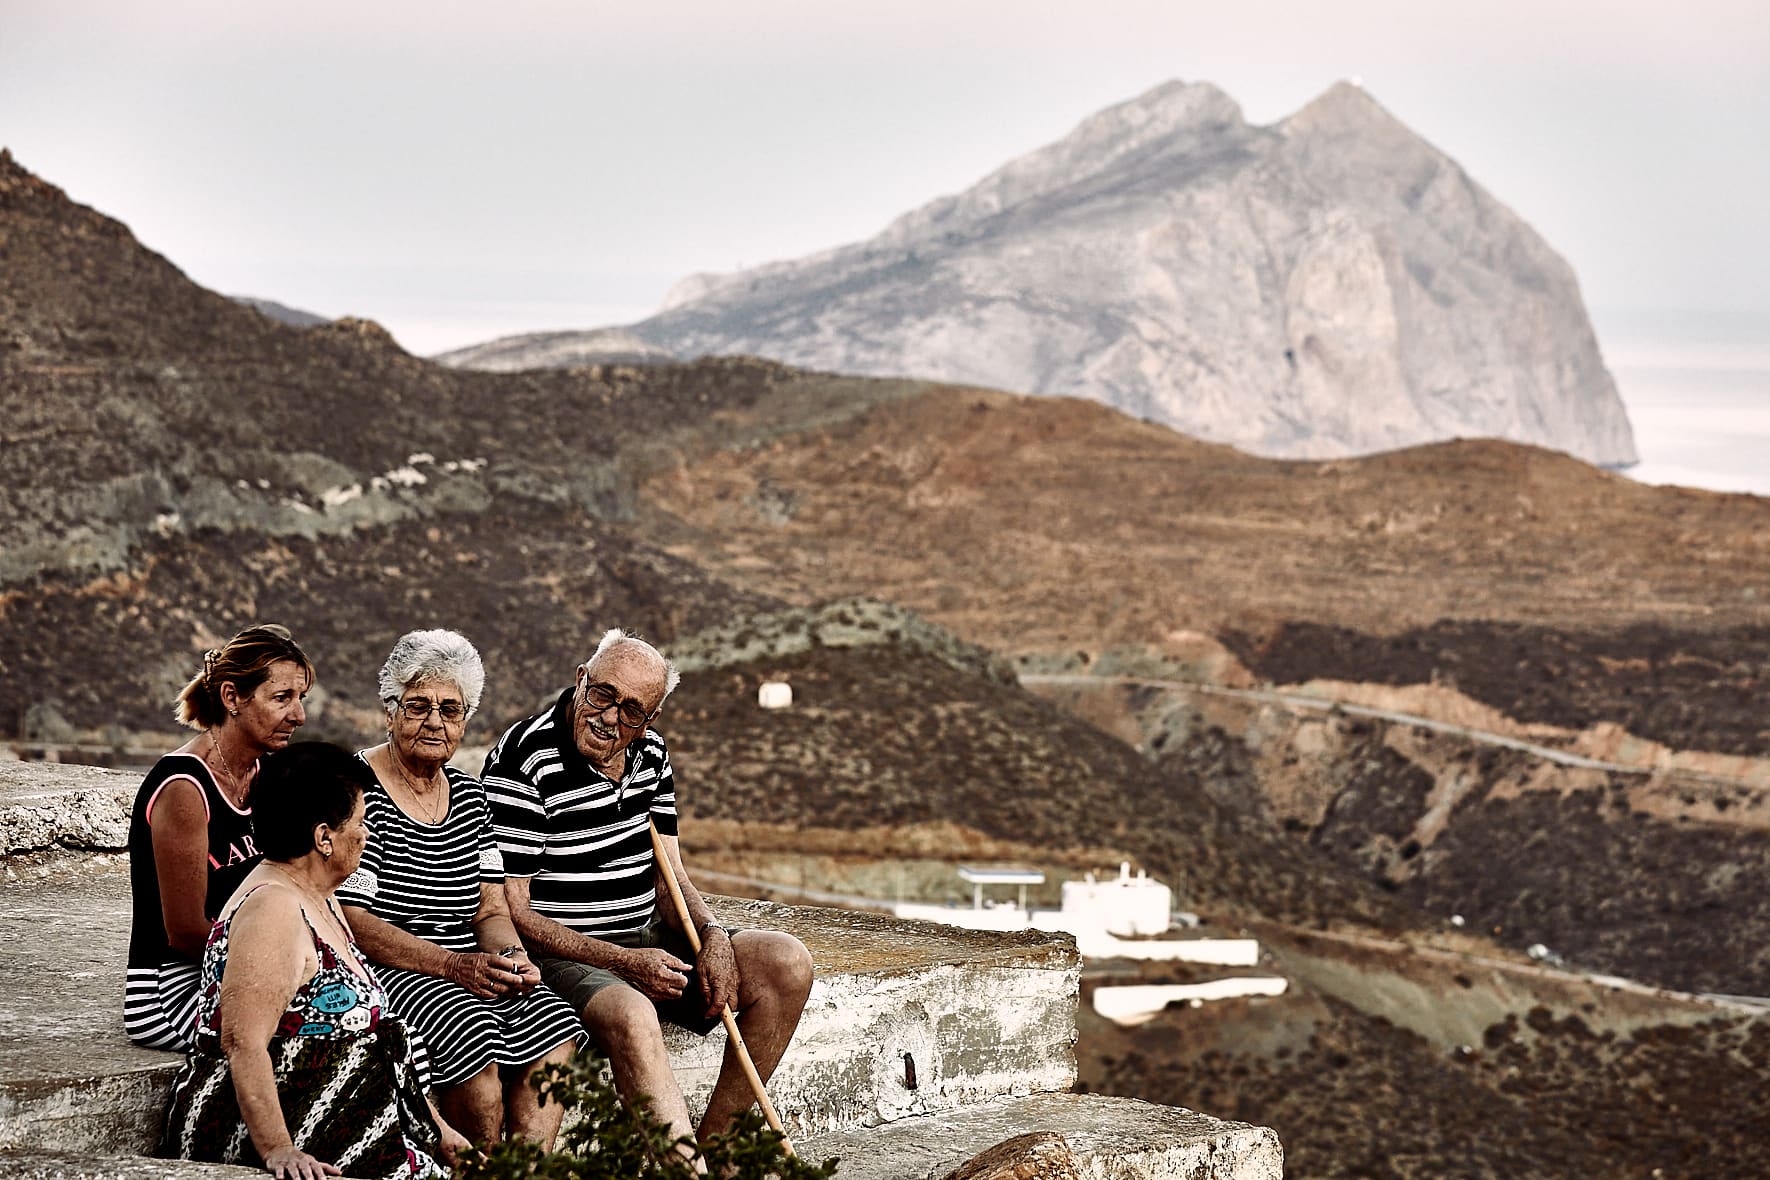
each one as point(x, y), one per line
point(1128, 907)
point(774, 694)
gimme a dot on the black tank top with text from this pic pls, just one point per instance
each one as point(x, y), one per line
point(232, 855)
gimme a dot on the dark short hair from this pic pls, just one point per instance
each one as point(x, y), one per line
point(301, 787)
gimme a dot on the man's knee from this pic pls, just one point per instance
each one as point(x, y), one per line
point(775, 961)
point(620, 1020)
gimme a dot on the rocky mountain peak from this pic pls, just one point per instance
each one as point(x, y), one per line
point(1170, 119)
point(1330, 285)
point(1174, 118)
point(1345, 104)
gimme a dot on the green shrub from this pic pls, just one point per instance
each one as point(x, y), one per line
point(607, 1140)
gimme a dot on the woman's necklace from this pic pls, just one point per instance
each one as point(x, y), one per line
point(227, 769)
point(432, 815)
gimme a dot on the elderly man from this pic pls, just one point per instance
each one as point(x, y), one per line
point(571, 790)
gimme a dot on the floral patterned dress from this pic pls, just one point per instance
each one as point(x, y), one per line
point(345, 1078)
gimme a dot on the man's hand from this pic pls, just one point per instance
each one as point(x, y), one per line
point(528, 975)
point(655, 972)
point(718, 969)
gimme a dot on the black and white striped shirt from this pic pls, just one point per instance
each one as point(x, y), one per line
point(425, 878)
point(580, 836)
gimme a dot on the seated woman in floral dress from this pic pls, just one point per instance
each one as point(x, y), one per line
point(299, 1067)
point(428, 904)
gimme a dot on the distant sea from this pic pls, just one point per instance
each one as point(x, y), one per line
point(1700, 408)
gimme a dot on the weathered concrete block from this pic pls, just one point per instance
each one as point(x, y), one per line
point(62, 1165)
point(46, 806)
point(906, 1018)
point(1112, 1139)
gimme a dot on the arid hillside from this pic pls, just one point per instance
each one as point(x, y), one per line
point(1533, 588)
point(1353, 1096)
point(887, 735)
point(1046, 527)
point(179, 465)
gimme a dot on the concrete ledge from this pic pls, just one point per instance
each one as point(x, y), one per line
point(1115, 1138)
point(906, 1018)
point(48, 806)
point(921, 1045)
point(60, 1165)
point(980, 1016)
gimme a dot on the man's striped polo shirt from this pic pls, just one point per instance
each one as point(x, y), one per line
point(580, 836)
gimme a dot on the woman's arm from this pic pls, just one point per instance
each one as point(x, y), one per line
point(180, 830)
point(387, 944)
point(269, 955)
point(485, 975)
point(451, 1143)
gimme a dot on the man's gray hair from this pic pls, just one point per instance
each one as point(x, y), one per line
point(433, 655)
point(614, 636)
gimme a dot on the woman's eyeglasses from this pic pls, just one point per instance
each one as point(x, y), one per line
point(419, 709)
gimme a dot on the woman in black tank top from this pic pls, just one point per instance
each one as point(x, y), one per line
point(190, 830)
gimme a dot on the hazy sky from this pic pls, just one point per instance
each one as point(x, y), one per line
point(457, 171)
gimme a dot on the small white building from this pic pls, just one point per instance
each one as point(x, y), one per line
point(985, 913)
point(1128, 907)
point(1109, 919)
point(775, 694)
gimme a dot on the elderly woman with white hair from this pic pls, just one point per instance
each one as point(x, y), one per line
point(427, 904)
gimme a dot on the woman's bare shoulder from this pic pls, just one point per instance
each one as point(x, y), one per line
point(264, 901)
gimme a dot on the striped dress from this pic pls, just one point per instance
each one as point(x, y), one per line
point(425, 879)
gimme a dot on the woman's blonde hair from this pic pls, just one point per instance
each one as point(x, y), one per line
point(244, 661)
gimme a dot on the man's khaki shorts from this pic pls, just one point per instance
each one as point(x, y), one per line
point(578, 982)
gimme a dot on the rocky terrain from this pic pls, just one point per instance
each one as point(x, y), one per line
point(179, 465)
point(1694, 689)
point(282, 313)
point(1328, 285)
point(896, 733)
point(1352, 1095)
point(1504, 577)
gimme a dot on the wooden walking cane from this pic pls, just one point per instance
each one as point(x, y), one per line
point(731, 1028)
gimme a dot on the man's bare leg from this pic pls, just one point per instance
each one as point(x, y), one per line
point(623, 1024)
point(774, 978)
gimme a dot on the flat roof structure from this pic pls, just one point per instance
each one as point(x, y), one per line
point(986, 875)
point(981, 875)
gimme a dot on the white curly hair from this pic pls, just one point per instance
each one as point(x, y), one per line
point(418, 656)
point(614, 637)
